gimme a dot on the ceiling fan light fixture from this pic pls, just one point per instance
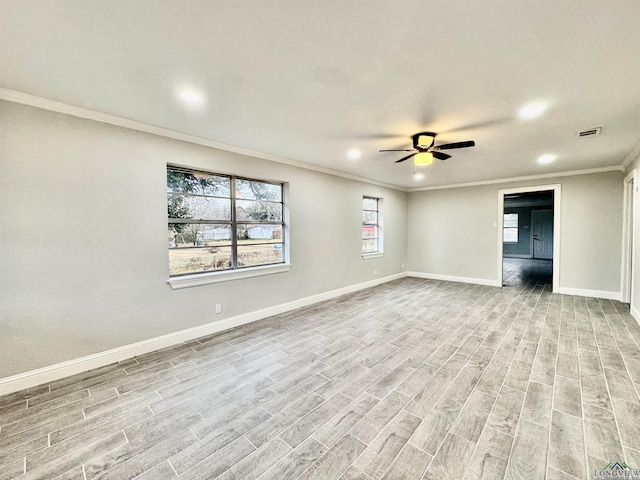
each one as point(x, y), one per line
point(422, 159)
point(424, 150)
point(423, 140)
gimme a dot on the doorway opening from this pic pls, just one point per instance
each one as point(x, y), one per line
point(528, 237)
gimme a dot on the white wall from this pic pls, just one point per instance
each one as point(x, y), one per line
point(453, 232)
point(83, 238)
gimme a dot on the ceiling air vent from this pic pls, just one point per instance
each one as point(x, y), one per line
point(592, 132)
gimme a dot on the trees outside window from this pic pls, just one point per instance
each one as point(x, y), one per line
point(220, 222)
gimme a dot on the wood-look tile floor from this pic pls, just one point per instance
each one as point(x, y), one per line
point(525, 271)
point(414, 379)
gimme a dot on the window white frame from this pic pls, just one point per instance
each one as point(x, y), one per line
point(236, 271)
point(378, 225)
point(516, 228)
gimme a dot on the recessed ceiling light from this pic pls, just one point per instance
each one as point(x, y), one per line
point(191, 98)
point(532, 110)
point(547, 158)
point(418, 176)
point(354, 154)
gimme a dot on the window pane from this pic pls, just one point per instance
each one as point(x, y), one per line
point(370, 245)
point(369, 218)
point(249, 255)
point(198, 208)
point(369, 203)
point(251, 190)
point(257, 211)
point(511, 220)
point(198, 183)
point(198, 235)
point(259, 233)
point(510, 235)
point(369, 231)
point(205, 241)
point(191, 260)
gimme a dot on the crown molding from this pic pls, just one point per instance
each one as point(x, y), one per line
point(80, 112)
point(632, 155)
point(615, 168)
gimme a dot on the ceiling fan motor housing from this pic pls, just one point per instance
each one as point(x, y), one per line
point(423, 140)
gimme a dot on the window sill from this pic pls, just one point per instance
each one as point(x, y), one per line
point(197, 279)
point(367, 256)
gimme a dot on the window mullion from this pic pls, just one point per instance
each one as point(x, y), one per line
point(214, 246)
point(234, 229)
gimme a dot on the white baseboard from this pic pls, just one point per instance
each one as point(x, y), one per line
point(516, 255)
point(581, 292)
point(451, 278)
point(61, 370)
point(493, 283)
point(635, 313)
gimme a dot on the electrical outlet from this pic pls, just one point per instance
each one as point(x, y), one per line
point(375, 272)
point(402, 266)
point(218, 308)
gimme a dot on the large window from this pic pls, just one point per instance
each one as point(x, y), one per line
point(219, 222)
point(510, 230)
point(371, 225)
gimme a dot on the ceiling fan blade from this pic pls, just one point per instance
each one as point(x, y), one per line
point(451, 146)
point(440, 155)
point(406, 158)
point(396, 150)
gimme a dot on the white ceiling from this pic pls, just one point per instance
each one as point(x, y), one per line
point(307, 80)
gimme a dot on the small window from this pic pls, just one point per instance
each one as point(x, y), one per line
point(220, 222)
point(371, 225)
point(510, 231)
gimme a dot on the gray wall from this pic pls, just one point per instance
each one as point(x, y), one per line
point(83, 238)
point(454, 231)
point(74, 193)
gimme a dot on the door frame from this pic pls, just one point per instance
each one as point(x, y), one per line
point(557, 202)
point(533, 214)
point(628, 236)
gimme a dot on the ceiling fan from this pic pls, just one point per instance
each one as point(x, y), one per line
point(426, 151)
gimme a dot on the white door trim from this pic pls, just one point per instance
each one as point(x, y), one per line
point(628, 235)
point(556, 188)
